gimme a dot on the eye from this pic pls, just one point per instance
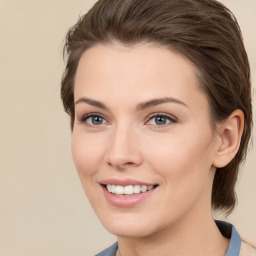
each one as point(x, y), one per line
point(93, 120)
point(161, 120)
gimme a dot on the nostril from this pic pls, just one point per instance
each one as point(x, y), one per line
point(125, 164)
point(129, 163)
point(121, 161)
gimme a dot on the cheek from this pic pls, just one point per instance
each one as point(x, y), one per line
point(184, 164)
point(183, 159)
point(87, 152)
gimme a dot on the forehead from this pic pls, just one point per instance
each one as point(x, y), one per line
point(137, 72)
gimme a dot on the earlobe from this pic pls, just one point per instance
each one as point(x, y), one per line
point(230, 132)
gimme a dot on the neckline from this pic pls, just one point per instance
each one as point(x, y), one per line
point(226, 229)
point(229, 231)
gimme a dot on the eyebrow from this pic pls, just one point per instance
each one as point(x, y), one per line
point(139, 107)
point(92, 102)
point(155, 102)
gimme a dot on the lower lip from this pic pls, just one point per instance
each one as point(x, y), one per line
point(126, 201)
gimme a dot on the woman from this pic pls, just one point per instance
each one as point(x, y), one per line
point(159, 96)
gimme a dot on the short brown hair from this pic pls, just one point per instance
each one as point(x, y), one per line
point(204, 31)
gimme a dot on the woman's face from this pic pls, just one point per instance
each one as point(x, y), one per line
point(142, 141)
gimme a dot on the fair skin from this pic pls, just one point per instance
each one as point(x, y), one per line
point(167, 143)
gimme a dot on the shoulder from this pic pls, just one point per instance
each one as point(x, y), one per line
point(247, 249)
point(110, 251)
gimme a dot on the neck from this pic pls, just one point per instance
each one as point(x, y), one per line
point(197, 236)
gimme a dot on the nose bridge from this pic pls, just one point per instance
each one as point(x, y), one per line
point(123, 147)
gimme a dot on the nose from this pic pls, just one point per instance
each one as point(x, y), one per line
point(124, 149)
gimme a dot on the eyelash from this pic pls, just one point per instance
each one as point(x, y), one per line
point(86, 117)
point(168, 117)
point(155, 115)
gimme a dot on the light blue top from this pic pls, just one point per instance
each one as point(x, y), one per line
point(227, 230)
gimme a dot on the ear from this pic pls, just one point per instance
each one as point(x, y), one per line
point(230, 132)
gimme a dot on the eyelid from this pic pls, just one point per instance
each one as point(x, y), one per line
point(168, 116)
point(86, 116)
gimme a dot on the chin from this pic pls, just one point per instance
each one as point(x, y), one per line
point(130, 231)
point(133, 227)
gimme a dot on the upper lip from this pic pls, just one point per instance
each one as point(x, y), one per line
point(125, 182)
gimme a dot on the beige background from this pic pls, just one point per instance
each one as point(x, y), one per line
point(43, 209)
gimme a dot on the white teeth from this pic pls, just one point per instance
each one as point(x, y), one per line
point(136, 189)
point(109, 187)
point(144, 188)
point(119, 190)
point(150, 187)
point(128, 190)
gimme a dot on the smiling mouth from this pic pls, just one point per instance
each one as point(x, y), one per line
point(129, 189)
